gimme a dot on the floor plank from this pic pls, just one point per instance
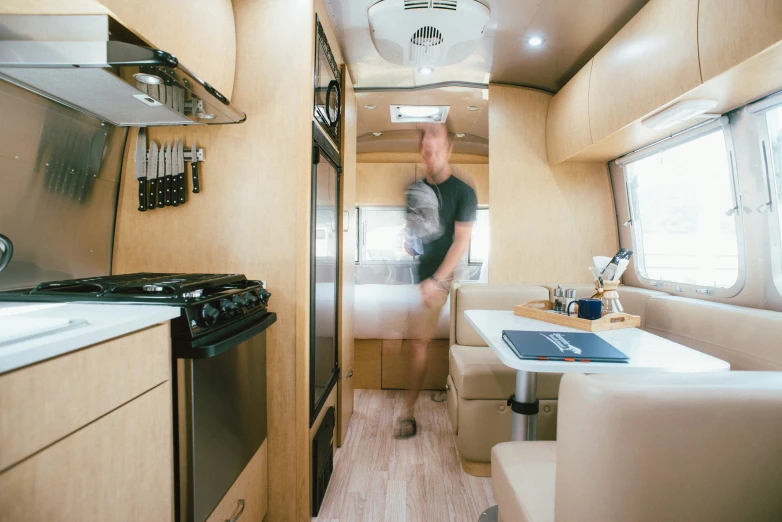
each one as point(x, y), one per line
point(379, 478)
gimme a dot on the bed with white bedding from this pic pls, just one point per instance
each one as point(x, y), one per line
point(382, 311)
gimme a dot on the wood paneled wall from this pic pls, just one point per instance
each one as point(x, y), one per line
point(347, 270)
point(554, 219)
point(251, 217)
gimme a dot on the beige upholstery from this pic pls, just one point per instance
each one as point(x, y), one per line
point(747, 338)
point(633, 299)
point(479, 374)
point(652, 447)
point(522, 479)
point(486, 297)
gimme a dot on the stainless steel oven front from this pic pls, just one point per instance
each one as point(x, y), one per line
point(220, 407)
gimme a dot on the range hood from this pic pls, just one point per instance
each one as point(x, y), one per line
point(97, 66)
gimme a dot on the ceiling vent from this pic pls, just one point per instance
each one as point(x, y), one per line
point(427, 32)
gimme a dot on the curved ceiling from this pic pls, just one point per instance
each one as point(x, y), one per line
point(574, 31)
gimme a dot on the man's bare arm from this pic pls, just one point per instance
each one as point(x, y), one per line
point(461, 242)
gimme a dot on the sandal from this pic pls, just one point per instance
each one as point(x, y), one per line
point(405, 428)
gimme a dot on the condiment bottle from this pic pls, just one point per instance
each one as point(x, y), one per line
point(559, 299)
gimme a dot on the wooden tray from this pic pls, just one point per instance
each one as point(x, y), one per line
point(542, 311)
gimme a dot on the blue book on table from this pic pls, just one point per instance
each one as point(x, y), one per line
point(562, 346)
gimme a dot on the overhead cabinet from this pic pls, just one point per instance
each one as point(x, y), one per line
point(671, 50)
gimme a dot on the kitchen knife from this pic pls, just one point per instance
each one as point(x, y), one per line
point(175, 185)
point(168, 188)
point(152, 159)
point(141, 168)
point(161, 190)
point(161, 173)
point(194, 168)
point(181, 177)
point(180, 162)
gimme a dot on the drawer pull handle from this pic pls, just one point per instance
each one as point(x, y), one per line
point(350, 374)
point(241, 510)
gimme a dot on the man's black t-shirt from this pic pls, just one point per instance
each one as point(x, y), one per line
point(457, 202)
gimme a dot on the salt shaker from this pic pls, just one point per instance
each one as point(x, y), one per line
point(559, 299)
point(570, 296)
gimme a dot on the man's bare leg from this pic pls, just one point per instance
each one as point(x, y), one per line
point(416, 375)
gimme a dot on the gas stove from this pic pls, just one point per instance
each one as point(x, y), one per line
point(215, 307)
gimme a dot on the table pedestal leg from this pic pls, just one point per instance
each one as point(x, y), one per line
point(525, 425)
point(525, 420)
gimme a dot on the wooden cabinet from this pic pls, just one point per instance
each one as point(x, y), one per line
point(47, 401)
point(246, 500)
point(567, 126)
point(650, 62)
point(88, 435)
point(730, 32)
point(117, 468)
point(383, 183)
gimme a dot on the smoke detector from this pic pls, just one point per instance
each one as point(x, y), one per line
point(427, 32)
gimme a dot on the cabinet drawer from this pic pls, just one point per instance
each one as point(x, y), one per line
point(45, 402)
point(118, 468)
point(250, 488)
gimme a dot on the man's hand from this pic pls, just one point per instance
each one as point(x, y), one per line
point(429, 291)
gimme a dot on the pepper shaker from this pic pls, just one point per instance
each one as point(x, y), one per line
point(570, 296)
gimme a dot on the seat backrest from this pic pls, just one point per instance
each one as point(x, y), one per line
point(747, 338)
point(476, 296)
point(633, 299)
point(652, 447)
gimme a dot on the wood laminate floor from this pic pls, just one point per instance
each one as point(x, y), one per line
point(379, 478)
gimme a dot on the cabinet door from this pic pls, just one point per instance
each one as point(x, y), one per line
point(118, 468)
point(246, 500)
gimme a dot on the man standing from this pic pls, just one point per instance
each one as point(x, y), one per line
point(441, 211)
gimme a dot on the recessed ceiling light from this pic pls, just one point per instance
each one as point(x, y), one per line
point(205, 115)
point(377, 133)
point(370, 107)
point(416, 111)
point(472, 108)
point(149, 79)
point(419, 113)
point(426, 69)
point(459, 135)
point(535, 41)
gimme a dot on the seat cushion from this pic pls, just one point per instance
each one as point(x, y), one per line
point(747, 338)
point(479, 374)
point(523, 475)
point(487, 297)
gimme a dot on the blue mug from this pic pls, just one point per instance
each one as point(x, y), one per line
point(590, 309)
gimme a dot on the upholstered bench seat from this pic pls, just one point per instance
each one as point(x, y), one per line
point(523, 480)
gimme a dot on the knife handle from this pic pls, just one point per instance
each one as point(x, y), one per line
point(161, 193)
point(152, 193)
point(142, 194)
point(175, 190)
point(182, 188)
point(196, 182)
point(168, 190)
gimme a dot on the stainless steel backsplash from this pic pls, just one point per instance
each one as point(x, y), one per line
point(59, 179)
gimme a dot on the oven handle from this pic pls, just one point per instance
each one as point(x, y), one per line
point(197, 350)
point(241, 510)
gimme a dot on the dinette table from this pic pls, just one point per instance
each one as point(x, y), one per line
point(647, 353)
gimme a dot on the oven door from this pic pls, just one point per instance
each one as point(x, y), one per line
point(221, 421)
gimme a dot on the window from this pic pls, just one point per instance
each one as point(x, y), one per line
point(479, 242)
point(684, 212)
point(383, 236)
point(380, 236)
point(774, 165)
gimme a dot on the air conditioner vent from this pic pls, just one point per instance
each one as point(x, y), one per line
point(416, 4)
point(429, 32)
point(444, 4)
point(427, 36)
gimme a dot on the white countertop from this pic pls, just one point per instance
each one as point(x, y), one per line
point(46, 330)
point(647, 352)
